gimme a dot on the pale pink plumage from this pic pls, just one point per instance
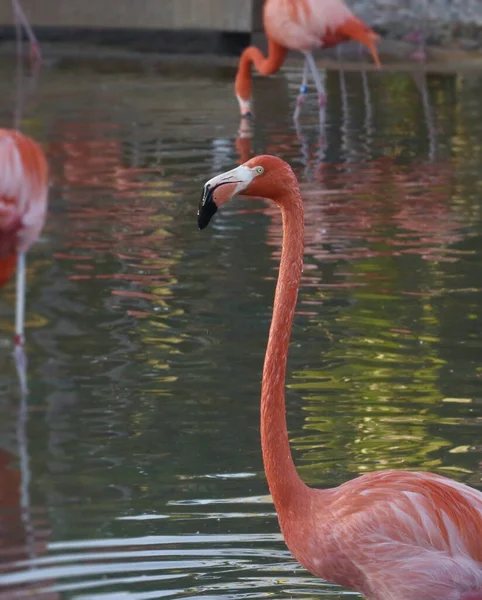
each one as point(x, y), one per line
point(23, 186)
point(303, 25)
point(396, 535)
point(23, 205)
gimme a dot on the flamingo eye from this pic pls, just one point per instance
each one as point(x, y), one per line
point(259, 170)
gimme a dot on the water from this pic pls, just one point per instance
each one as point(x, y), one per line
point(136, 455)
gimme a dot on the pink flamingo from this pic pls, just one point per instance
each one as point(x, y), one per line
point(394, 535)
point(22, 21)
point(302, 25)
point(23, 205)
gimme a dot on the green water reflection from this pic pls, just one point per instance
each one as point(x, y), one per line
point(146, 337)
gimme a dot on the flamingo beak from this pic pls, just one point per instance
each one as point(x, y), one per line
point(215, 193)
point(207, 207)
point(356, 30)
point(221, 189)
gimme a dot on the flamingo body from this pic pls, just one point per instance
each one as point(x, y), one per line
point(23, 188)
point(391, 535)
point(303, 25)
point(395, 535)
point(23, 205)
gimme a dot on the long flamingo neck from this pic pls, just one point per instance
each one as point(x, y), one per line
point(285, 486)
point(264, 65)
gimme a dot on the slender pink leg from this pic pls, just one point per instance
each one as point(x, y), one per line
point(19, 339)
point(420, 35)
point(21, 18)
point(320, 88)
point(300, 100)
point(23, 453)
point(420, 54)
point(21, 366)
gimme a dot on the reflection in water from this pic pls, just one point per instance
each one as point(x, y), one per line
point(24, 533)
point(398, 210)
point(146, 476)
point(420, 79)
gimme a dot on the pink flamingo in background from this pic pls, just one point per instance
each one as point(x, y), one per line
point(23, 205)
point(390, 535)
point(303, 25)
point(22, 21)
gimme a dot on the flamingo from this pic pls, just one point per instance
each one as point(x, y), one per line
point(419, 35)
point(23, 206)
point(302, 25)
point(21, 20)
point(390, 535)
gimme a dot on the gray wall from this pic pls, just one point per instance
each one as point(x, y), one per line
point(447, 22)
point(380, 12)
point(220, 15)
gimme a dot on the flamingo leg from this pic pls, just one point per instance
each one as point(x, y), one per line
point(320, 87)
point(23, 451)
point(420, 54)
point(303, 91)
point(419, 36)
point(21, 366)
point(20, 307)
point(21, 18)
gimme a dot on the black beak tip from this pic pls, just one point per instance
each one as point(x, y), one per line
point(205, 213)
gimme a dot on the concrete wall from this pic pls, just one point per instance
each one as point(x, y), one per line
point(224, 15)
point(456, 23)
point(382, 12)
point(453, 24)
point(218, 15)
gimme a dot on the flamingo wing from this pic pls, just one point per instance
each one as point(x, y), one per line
point(411, 535)
point(23, 187)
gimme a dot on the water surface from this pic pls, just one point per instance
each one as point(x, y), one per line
point(136, 454)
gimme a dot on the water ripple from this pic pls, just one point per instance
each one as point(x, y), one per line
point(146, 337)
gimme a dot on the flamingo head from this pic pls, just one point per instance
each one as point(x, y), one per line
point(356, 30)
point(262, 176)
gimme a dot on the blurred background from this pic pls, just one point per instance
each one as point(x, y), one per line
point(226, 26)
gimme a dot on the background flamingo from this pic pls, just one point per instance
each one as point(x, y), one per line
point(419, 35)
point(23, 204)
point(302, 25)
point(390, 534)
